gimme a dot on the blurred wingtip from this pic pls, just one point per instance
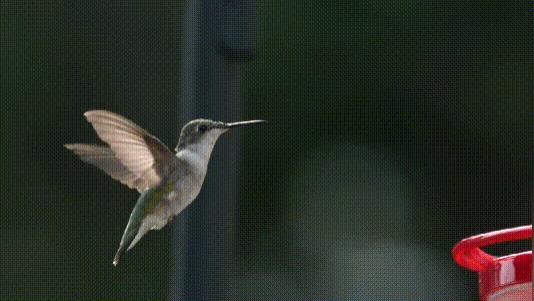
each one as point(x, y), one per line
point(91, 113)
point(70, 146)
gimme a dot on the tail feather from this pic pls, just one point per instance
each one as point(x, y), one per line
point(118, 255)
point(134, 231)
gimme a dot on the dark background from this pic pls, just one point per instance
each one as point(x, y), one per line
point(395, 130)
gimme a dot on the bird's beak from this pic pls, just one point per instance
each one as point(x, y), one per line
point(242, 123)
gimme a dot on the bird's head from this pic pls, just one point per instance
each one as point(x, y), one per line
point(202, 133)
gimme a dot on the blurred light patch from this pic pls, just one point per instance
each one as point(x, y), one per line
point(346, 194)
point(352, 214)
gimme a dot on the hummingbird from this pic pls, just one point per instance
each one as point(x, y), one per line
point(167, 182)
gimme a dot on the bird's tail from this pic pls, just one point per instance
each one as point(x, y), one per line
point(118, 255)
point(131, 236)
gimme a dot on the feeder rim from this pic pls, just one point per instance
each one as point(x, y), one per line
point(467, 252)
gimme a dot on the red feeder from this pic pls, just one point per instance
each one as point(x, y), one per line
point(500, 278)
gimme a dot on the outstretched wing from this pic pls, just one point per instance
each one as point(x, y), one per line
point(103, 158)
point(140, 152)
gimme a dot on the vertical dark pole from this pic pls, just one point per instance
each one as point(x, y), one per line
point(219, 36)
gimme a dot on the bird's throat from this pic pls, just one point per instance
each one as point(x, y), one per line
point(196, 158)
point(198, 154)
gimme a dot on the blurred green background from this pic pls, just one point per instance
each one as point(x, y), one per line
point(396, 129)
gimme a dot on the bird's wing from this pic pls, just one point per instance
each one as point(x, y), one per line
point(104, 158)
point(140, 152)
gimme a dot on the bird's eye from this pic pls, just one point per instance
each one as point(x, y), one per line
point(202, 128)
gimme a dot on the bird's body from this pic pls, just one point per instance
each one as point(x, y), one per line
point(168, 182)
